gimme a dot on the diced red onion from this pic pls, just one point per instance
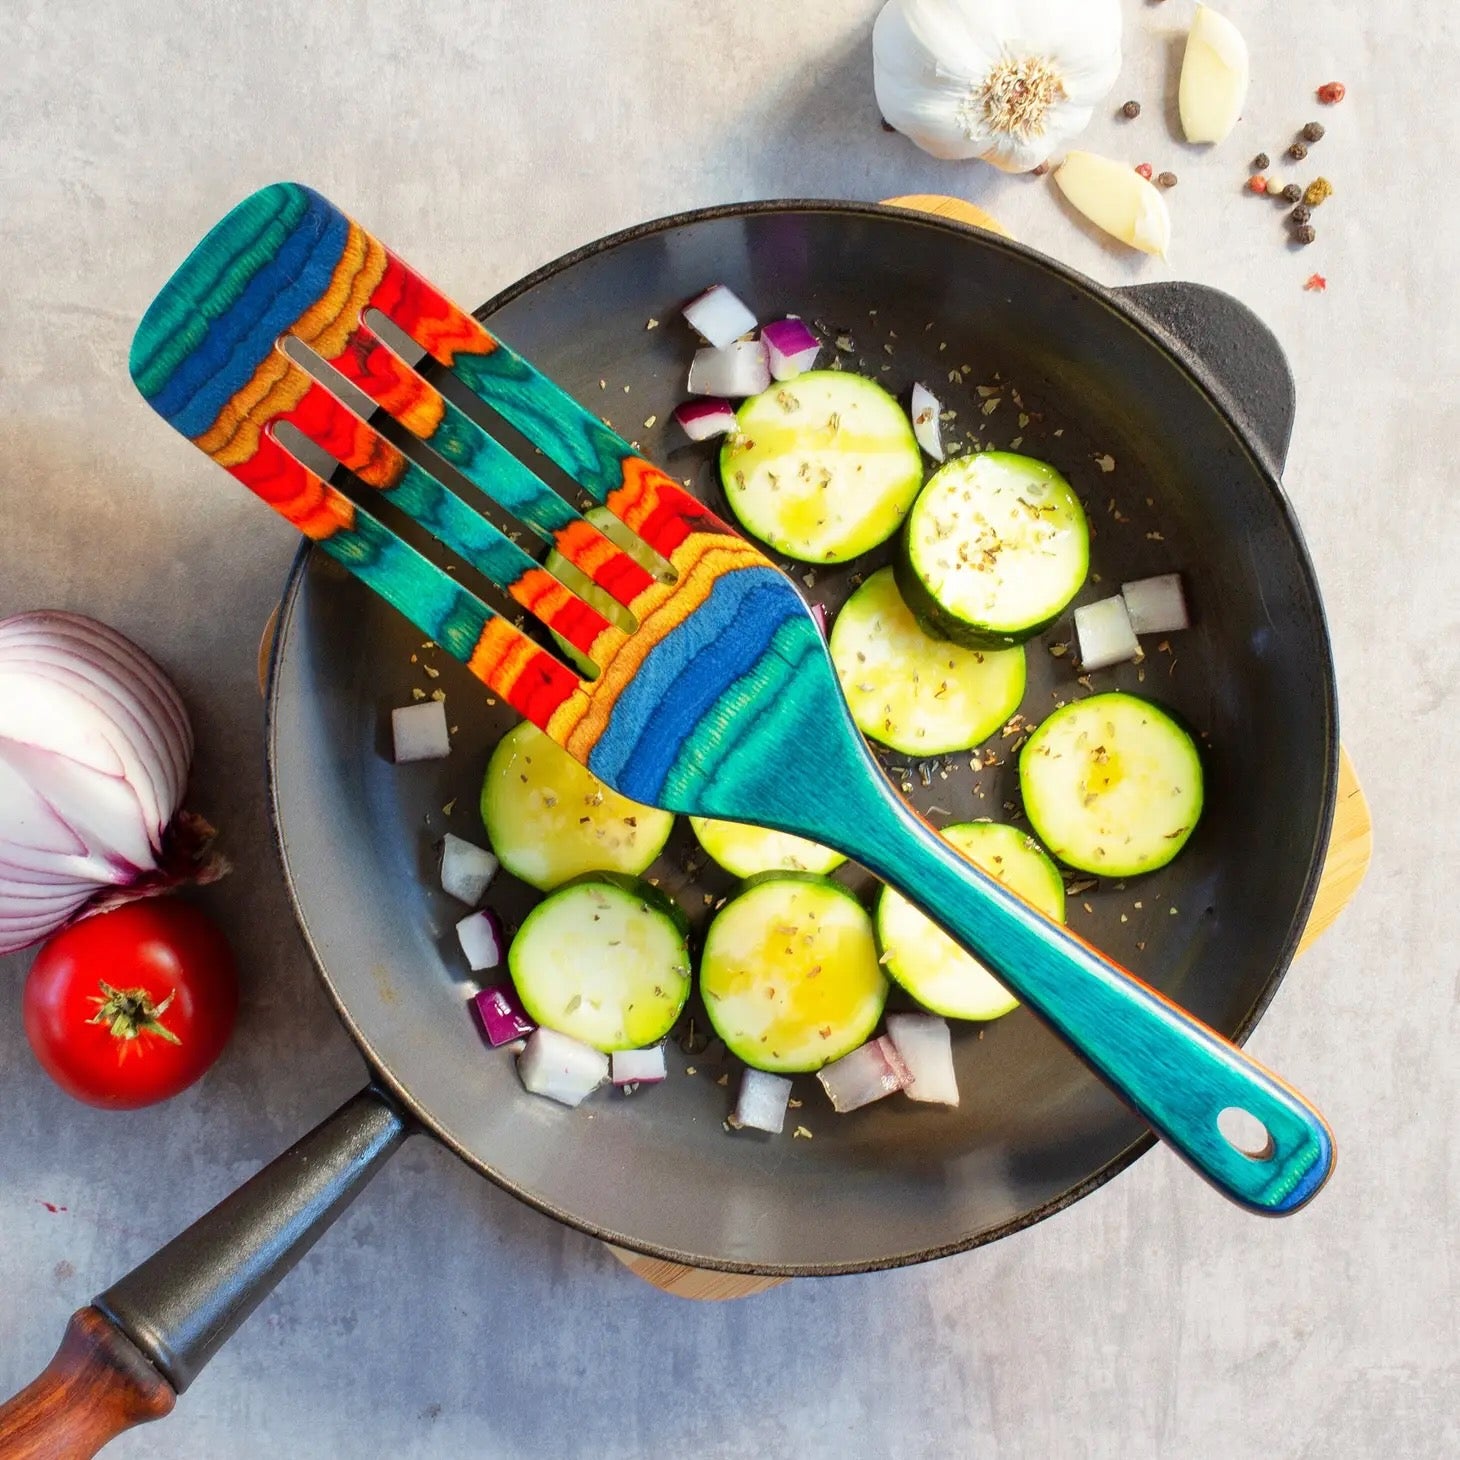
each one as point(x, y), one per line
point(503, 1018)
point(95, 747)
point(420, 732)
point(1105, 634)
point(1156, 605)
point(762, 1102)
point(718, 317)
point(561, 1068)
point(638, 1066)
point(791, 348)
point(480, 936)
point(466, 869)
point(701, 420)
point(926, 1047)
point(737, 370)
point(866, 1074)
point(927, 421)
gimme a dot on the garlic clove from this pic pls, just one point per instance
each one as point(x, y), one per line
point(1116, 198)
point(1214, 75)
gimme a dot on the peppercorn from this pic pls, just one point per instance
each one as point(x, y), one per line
point(1258, 184)
point(1298, 151)
point(1275, 186)
point(1313, 132)
point(1131, 109)
point(1301, 214)
point(1319, 189)
point(1306, 234)
point(1292, 193)
point(1167, 179)
point(1332, 92)
point(1261, 162)
point(1144, 168)
point(886, 125)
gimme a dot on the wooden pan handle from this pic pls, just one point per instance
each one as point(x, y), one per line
point(97, 1385)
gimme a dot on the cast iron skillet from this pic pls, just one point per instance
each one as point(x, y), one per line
point(1190, 396)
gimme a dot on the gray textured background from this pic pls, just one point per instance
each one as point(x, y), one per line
point(442, 1319)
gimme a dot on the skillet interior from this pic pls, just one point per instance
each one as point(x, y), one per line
point(896, 1182)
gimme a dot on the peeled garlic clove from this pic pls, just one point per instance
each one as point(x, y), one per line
point(1214, 75)
point(1115, 197)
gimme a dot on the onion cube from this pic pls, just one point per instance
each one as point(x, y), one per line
point(927, 422)
point(503, 1018)
point(1156, 605)
point(738, 370)
point(420, 732)
point(926, 1047)
point(466, 869)
point(561, 1068)
point(639, 1066)
point(701, 420)
point(869, 1073)
point(791, 347)
point(762, 1102)
point(718, 316)
point(480, 936)
point(1105, 634)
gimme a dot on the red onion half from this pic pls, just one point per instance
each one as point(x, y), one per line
point(95, 747)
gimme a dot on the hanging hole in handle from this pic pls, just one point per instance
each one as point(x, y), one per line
point(1245, 1133)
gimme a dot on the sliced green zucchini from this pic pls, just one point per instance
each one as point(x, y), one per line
point(927, 962)
point(822, 467)
point(605, 960)
point(589, 591)
point(994, 549)
point(1112, 785)
point(747, 851)
point(918, 694)
point(549, 819)
point(789, 973)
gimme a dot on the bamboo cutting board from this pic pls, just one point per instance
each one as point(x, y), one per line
point(1350, 847)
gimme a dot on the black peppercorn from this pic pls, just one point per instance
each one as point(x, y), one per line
point(886, 125)
point(1261, 162)
point(1306, 234)
point(1301, 214)
point(1292, 193)
point(1131, 109)
point(1166, 179)
point(1297, 151)
point(1313, 132)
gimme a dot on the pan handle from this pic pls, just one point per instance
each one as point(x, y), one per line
point(1235, 346)
point(125, 1359)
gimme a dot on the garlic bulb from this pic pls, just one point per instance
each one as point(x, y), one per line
point(1010, 81)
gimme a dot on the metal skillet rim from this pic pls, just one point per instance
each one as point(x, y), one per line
point(1216, 393)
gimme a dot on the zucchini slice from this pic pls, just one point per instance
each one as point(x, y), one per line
point(589, 591)
point(995, 548)
point(918, 694)
point(1112, 785)
point(550, 819)
point(747, 851)
point(790, 975)
point(822, 467)
point(604, 960)
point(927, 962)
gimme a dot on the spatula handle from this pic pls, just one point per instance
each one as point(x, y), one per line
point(1178, 1074)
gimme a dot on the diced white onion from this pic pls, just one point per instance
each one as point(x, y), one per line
point(926, 1047)
point(927, 425)
point(638, 1066)
point(561, 1068)
point(480, 936)
point(466, 869)
point(1156, 605)
point(762, 1102)
point(718, 316)
point(866, 1074)
point(1105, 634)
point(420, 732)
point(738, 370)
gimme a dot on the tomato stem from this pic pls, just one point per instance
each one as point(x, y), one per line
point(130, 1013)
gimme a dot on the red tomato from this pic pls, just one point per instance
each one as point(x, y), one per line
point(129, 1007)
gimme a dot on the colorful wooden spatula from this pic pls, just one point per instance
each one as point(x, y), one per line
point(722, 700)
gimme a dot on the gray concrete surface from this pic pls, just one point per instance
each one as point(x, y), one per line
point(442, 1319)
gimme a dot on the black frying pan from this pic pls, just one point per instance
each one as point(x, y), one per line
point(1190, 395)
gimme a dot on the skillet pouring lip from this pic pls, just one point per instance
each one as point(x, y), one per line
point(1217, 395)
